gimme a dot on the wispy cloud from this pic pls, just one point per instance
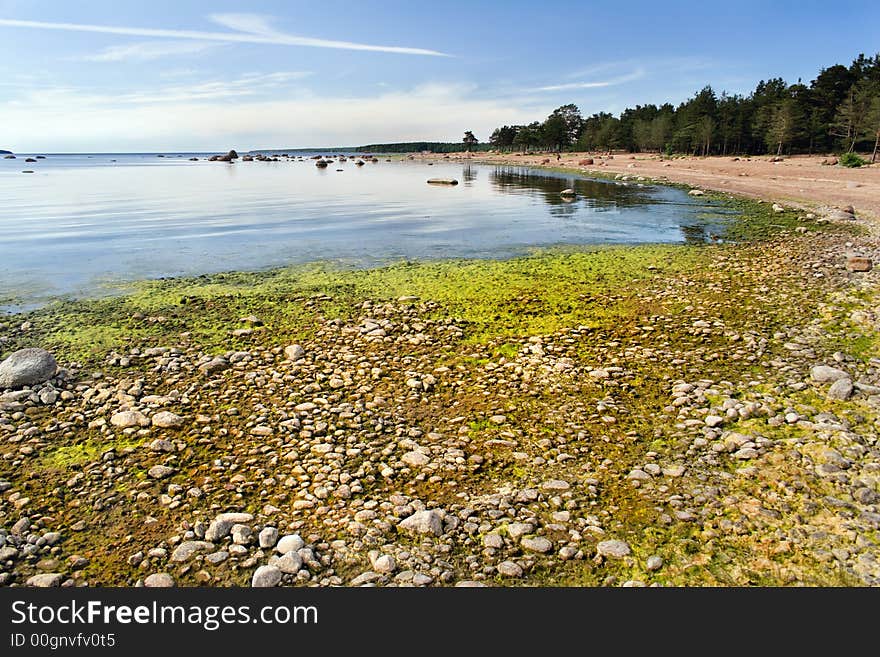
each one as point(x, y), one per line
point(42, 120)
point(252, 84)
point(148, 50)
point(603, 67)
point(596, 84)
point(248, 28)
point(654, 65)
point(176, 73)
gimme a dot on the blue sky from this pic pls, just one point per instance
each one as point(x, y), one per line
point(124, 76)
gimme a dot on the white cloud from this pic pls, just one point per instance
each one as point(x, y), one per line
point(148, 51)
point(177, 73)
point(66, 120)
point(248, 28)
point(654, 64)
point(621, 79)
point(252, 84)
point(252, 23)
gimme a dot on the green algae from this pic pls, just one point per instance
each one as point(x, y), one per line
point(530, 295)
point(492, 300)
point(77, 454)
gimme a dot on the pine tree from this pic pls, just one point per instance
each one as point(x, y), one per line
point(851, 120)
point(780, 129)
point(872, 122)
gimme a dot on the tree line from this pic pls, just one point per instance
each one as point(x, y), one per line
point(839, 111)
point(419, 146)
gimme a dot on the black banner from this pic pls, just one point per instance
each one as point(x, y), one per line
point(127, 621)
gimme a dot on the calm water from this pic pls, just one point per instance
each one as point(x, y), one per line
point(80, 224)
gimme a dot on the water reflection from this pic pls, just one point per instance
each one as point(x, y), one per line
point(81, 221)
point(694, 233)
point(595, 194)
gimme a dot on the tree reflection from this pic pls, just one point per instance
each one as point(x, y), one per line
point(597, 196)
point(593, 193)
point(694, 233)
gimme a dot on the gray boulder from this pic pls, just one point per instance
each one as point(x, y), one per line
point(188, 549)
point(613, 549)
point(159, 581)
point(27, 367)
point(826, 374)
point(213, 366)
point(45, 580)
point(424, 522)
point(266, 577)
point(294, 352)
point(223, 523)
point(841, 389)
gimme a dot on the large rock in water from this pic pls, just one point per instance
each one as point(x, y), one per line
point(27, 367)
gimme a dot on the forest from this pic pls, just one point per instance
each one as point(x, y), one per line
point(419, 146)
point(838, 111)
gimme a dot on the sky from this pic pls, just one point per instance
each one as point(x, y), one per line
point(112, 76)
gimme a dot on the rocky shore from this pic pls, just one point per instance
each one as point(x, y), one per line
point(675, 416)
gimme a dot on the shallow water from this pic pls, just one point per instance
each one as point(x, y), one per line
point(81, 224)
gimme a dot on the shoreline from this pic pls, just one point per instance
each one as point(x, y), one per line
point(365, 243)
point(644, 415)
point(800, 181)
point(18, 306)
